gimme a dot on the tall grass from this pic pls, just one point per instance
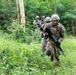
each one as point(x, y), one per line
point(21, 59)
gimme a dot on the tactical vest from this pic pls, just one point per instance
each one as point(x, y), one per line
point(57, 31)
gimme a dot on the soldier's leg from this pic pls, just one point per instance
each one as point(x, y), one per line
point(52, 51)
point(52, 57)
point(44, 42)
point(56, 56)
point(49, 48)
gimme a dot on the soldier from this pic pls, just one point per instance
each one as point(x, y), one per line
point(44, 38)
point(37, 25)
point(43, 20)
point(57, 30)
point(37, 22)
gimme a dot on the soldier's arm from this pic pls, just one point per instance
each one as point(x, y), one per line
point(41, 30)
point(34, 22)
point(62, 34)
point(46, 26)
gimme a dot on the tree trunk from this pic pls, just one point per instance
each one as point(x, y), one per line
point(22, 12)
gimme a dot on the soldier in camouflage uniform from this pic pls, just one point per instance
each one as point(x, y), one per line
point(57, 30)
point(44, 39)
point(43, 20)
point(37, 22)
point(37, 25)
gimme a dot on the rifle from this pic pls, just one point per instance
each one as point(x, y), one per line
point(50, 36)
point(38, 23)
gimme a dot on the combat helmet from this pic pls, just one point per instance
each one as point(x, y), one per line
point(55, 17)
point(47, 19)
point(43, 16)
point(37, 17)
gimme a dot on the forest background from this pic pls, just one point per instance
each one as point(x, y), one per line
point(20, 48)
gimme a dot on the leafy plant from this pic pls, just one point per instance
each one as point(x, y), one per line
point(19, 59)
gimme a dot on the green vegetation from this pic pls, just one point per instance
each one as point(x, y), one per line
point(66, 9)
point(20, 52)
point(18, 58)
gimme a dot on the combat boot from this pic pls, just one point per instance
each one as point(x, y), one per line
point(52, 57)
point(57, 63)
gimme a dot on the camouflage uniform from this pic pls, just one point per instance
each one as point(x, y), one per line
point(51, 49)
point(37, 22)
point(37, 25)
point(44, 39)
point(43, 20)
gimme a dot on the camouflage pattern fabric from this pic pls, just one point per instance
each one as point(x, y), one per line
point(51, 49)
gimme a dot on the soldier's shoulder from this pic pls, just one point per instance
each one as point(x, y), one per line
point(60, 25)
point(50, 24)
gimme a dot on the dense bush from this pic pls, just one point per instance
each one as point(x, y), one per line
point(22, 59)
point(16, 32)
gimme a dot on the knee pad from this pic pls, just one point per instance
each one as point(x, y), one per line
point(48, 52)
